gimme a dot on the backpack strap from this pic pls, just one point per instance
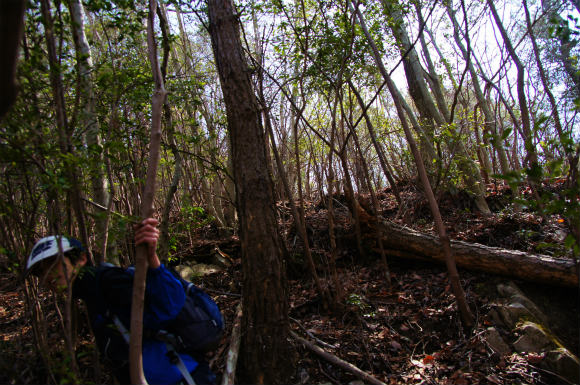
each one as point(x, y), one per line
point(122, 329)
point(174, 357)
point(177, 361)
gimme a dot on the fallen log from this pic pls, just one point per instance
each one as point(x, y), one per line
point(407, 243)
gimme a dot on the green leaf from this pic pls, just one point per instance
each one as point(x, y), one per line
point(506, 133)
point(535, 172)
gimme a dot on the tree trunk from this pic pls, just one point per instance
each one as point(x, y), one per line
point(531, 157)
point(376, 208)
point(489, 124)
point(11, 27)
point(381, 155)
point(425, 104)
point(481, 148)
point(412, 66)
point(351, 199)
point(299, 217)
point(64, 135)
point(426, 143)
point(338, 291)
point(265, 351)
point(568, 149)
point(432, 76)
point(177, 172)
point(89, 119)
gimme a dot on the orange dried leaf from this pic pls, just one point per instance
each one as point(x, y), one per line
point(428, 359)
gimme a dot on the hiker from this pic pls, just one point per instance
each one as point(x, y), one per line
point(107, 293)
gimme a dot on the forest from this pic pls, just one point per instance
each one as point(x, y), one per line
point(373, 191)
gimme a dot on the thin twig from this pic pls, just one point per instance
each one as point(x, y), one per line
point(338, 361)
point(325, 344)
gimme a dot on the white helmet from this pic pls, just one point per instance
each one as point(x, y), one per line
point(47, 247)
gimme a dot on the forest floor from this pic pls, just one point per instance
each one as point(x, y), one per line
point(407, 334)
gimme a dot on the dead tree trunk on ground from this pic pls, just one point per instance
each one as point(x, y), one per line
point(407, 243)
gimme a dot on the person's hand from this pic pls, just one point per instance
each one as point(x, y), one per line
point(146, 233)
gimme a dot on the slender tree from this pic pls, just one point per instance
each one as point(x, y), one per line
point(89, 119)
point(532, 156)
point(490, 122)
point(141, 263)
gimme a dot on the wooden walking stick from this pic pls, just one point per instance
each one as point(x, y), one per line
point(141, 263)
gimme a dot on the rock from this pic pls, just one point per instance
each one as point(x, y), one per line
point(516, 296)
point(564, 363)
point(201, 269)
point(509, 315)
point(198, 270)
point(184, 271)
point(496, 342)
point(533, 339)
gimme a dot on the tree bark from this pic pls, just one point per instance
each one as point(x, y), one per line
point(229, 375)
point(265, 357)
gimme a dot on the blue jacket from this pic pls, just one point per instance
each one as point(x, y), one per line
point(109, 289)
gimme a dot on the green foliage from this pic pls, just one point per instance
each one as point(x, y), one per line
point(12, 264)
point(563, 200)
point(191, 218)
point(357, 300)
point(61, 368)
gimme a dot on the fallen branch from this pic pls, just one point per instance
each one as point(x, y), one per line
point(337, 361)
point(318, 340)
point(229, 375)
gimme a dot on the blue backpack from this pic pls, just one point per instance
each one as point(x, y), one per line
point(199, 326)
